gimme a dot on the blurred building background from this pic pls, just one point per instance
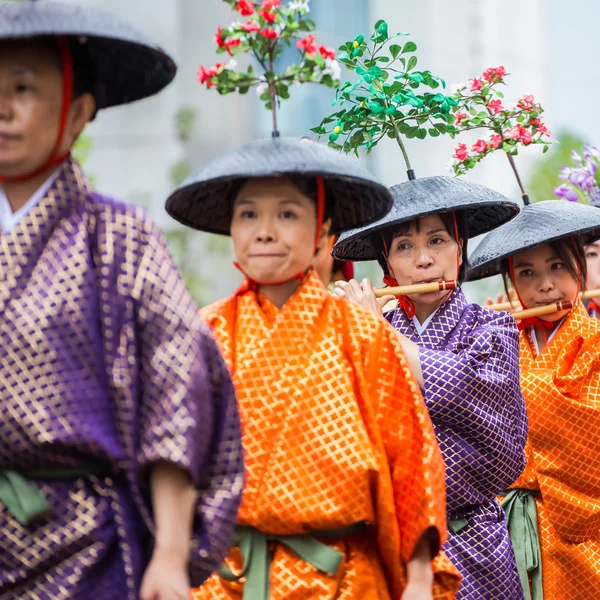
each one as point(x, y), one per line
point(140, 152)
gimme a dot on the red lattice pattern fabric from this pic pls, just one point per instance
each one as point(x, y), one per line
point(335, 432)
point(562, 391)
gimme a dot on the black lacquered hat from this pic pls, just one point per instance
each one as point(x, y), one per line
point(127, 66)
point(485, 209)
point(539, 223)
point(353, 196)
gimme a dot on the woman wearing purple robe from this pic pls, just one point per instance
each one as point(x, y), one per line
point(120, 454)
point(466, 359)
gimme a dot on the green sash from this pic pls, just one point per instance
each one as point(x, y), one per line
point(25, 500)
point(521, 519)
point(254, 547)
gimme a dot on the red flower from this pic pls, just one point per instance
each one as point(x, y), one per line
point(231, 44)
point(219, 38)
point(251, 26)
point(269, 17)
point(269, 4)
point(269, 33)
point(461, 152)
point(493, 75)
point(526, 102)
point(205, 75)
point(540, 127)
point(476, 84)
point(513, 133)
point(245, 8)
point(495, 106)
point(495, 141)
point(459, 116)
point(525, 136)
point(308, 44)
point(479, 146)
point(327, 52)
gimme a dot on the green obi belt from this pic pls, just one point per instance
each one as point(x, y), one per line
point(254, 547)
point(25, 500)
point(521, 519)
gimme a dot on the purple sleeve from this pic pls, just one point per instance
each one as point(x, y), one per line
point(187, 410)
point(474, 397)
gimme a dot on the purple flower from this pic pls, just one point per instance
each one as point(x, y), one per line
point(591, 153)
point(567, 192)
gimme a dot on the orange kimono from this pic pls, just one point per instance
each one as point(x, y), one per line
point(561, 387)
point(335, 432)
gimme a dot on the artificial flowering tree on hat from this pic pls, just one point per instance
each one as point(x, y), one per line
point(553, 509)
point(581, 183)
point(120, 471)
point(465, 357)
point(339, 501)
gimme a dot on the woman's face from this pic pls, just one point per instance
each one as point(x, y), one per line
point(592, 257)
point(541, 277)
point(425, 253)
point(273, 230)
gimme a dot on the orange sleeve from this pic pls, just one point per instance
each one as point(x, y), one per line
point(416, 463)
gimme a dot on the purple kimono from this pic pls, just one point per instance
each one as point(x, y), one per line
point(470, 361)
point(105, 366)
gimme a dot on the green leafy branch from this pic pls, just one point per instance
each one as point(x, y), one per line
point(389, 99)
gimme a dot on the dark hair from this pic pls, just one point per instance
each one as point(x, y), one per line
point(388, 235)
point(570, 251)
point(306, 185)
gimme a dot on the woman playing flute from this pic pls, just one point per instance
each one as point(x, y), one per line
point(553, 508)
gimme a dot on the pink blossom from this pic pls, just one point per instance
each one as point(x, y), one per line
point(459, 116)
point(493, 75)
point(268, 16)
point(219, 38)
point(269, 4)
point(476, 84)
point(495, 141)
point(251, 26)
point(461, 152)
point(526, 102)
point(479, 146)
point(540, 127)
point(205, 74)
point(269, 33)
point(525, 136)
point(495, 106)
point(513, 133)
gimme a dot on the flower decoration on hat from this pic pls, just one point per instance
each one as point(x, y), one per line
point(264, 30)
point(582, 178)
point(480, 105)
point(390, 99)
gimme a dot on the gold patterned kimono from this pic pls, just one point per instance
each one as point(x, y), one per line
point(561, 387)
point(335, 432)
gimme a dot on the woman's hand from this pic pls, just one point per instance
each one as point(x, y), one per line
point(363, 294)
point(166, 577)
point(419, 572)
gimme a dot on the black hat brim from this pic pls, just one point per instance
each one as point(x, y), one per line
point(127, 67)
point(353, 195)
point(540, 223)
point(483, 207)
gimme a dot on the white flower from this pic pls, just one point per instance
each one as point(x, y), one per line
point(231, 65)
point(299, 6)
point(262, 87)
point(332, 67)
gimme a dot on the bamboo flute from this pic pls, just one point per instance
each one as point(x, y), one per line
point(543, 310)
point(418, 288)
point(508, 306)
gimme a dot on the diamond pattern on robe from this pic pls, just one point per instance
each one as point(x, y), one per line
point(562, 392)
point(470, 361)
point(103, 360)
point(335, 432)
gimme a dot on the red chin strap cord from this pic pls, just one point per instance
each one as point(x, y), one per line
point(320, 216)
point(532, 321)
point(404, 302)
point(67, 97)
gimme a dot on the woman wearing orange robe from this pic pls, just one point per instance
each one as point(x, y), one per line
point(557, 550)
point(344, 495)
